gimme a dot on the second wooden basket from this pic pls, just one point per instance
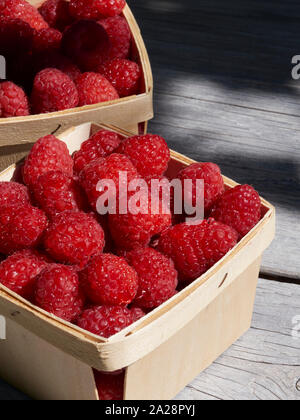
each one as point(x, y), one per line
point(126, 112)
point(48, 358)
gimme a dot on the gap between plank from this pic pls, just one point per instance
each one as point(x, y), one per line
point(280, 278)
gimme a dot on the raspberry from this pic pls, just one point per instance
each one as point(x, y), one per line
point(73, 238)
point(159, 182)
point(56, 13)
point(94, 88)
point(101, 144)
point(56, 192)
point(136, 314)
point(84, 9)
point(157, 277)
point(18, 272)
point(119, 35)
point(105, 169)
point(103, 221)
point(21, 227)
point(149, 154)
point(48, 154)
point(47, 39)
point(105, 321)
point(12, 193)
point(240, 208)
point(53, 91)
point(123, 74)
point(136, 228)
point(15, 35)
point(110, 7)
point(57, 291)
point(52, 59)
point(196, 248)
point(210, 173)
point(110, 386)
point(13, 101)
point(109, 280)
point(87, 44)
point(21, 9)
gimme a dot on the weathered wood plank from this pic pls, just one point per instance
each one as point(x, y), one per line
point(252, 39)
point(265, 363)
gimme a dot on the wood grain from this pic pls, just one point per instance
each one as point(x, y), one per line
point(265, 363)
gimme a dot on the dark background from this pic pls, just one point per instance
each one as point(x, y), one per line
point(224, 93)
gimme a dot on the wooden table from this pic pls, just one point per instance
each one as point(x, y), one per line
point(224, 93)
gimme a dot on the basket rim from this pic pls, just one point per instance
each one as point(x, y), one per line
point(174, 301)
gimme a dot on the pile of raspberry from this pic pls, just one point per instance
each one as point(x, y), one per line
point(103, 272)
point(65, 54)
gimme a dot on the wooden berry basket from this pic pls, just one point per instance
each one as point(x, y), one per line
point(48, 358)
point(131, 113)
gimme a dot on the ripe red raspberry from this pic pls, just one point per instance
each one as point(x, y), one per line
point(101, 144)
point(56, 13)
point(105, 169)
point(109, 280)
point(47, 39)
point(123, 74)
point(136, 313)
point(105, 321)
point(21, 9)
point(56, 192)
point(149, 154)
point(157, 277)
point(136, 228)
point(13, 193)
point(18, 272)
point(210, 173)
point(87, 44)
point(110, 7)
point(53, 59)
point(94, 88)
point(13, 101)
point(119, 35)
point(240, 208)
point(109, 245)
point(21, 227)
point(84, 9)
point(58, 292)
point(48, 154)
point(110, 386)
point(53, 91)
point(196, 248)
point(73, 238)
point(15, 36)
point(157, 185)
